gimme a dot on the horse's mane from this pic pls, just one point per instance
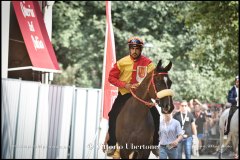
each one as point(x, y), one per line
point(157, 69)
point(148, 77)
point(142, 88)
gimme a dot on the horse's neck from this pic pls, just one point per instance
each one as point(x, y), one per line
point(141, 111)
point(142, 91)
point(140, 108)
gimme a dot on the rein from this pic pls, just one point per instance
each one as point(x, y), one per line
point(149, 104)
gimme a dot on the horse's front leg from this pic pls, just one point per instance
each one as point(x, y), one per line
point(221, 145)
point(125, 153)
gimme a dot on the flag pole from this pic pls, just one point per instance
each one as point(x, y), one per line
point(109, 92)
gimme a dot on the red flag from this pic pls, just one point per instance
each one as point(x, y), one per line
point(110, 91)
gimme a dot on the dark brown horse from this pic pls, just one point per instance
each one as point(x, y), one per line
point(135, 125)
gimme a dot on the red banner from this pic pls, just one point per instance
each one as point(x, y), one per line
point(109, 91)
point(35, 35)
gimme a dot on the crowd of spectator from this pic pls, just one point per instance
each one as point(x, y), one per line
point(207, 123)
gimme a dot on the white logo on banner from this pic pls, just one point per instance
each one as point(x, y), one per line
point(141, 73)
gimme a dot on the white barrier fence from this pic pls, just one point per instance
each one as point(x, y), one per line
point(49, 121)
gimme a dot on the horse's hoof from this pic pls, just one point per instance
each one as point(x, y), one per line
point(235, 157)
point(155, 152)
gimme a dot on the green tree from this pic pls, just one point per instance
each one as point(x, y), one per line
point(203, 49)
point(78, 38)
point(216, 27)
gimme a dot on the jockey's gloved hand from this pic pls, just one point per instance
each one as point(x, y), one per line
point(135, 85)
point(129, 86)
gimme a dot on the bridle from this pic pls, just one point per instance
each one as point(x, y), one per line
point(158, 95)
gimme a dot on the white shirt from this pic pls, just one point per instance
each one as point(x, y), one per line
point(237, 95)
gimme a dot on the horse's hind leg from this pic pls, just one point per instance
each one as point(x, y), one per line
point(221, 144)
point(134, 155)
point(224, 144)
point(235, 143)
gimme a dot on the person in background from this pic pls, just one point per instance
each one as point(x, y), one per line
point(170, 133)
point(176, 109)
point(214, 124)
point(200, 119)
point(187, 122)
point(233, 98)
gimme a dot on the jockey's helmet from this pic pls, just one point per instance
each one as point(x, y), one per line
point(135, 41)
point(236, 78)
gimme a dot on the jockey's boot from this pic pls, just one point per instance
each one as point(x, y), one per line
point(111, 150)
point(155, 151)
point(225, 137)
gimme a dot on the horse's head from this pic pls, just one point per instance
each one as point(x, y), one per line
point(160, 87)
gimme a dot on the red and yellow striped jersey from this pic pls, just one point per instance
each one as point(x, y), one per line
point(125, 71)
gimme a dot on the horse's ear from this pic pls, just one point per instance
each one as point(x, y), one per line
point(168, 67)
point(159, 66)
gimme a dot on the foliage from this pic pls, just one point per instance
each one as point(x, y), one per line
point(203, 48)
point(193, 84)
point(78, 38)
point(216, 27)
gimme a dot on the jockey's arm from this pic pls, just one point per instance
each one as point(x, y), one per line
point(114, 76)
